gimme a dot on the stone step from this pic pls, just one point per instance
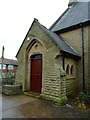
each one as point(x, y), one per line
point(32, 94)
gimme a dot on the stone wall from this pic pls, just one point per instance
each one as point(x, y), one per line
point(70, 86)
point(52, 82)
point(11, 89)
point(48, 50)
point(20, 74)
point(74, 38)
point(71, 79)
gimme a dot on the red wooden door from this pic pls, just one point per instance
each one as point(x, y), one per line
point(36, 75)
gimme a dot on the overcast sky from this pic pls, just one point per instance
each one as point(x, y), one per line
point(16, 17)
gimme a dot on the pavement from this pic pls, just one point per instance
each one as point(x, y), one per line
point(21, 106)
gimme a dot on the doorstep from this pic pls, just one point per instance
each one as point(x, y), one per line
point(32, 94)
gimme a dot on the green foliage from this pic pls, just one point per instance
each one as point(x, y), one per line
point(85, 97)
point(81, 106)
point(16, 83)
point(8, 82)
point(10, 76)
point(89, 80)
point(9, 79)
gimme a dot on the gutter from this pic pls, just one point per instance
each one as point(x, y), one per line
point(72, 27)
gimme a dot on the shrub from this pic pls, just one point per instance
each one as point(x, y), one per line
point(85, 97)
point(8, 82)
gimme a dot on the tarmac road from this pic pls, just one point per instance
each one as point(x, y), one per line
point(21, 106)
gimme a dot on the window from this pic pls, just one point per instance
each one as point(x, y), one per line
point(67, 69)
point(4, 66)
point(10, 67)
point(72, 70)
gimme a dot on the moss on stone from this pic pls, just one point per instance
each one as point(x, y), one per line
point(34, 95)
point(89, 80)
point(56, 100)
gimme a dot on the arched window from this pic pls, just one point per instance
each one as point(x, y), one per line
point(67, 69)
point(72, 70)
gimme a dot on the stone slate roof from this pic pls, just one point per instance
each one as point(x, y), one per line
point(9, 61)
point(78, 13)
point(59, 41)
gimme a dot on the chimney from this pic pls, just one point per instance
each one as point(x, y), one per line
point(71, 2)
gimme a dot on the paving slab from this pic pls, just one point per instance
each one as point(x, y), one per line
point(21, 106)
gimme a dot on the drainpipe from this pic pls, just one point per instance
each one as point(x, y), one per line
point(63, 62)
point(83, 68)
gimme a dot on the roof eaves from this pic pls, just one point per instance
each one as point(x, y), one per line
point(73, 27)
point(67, 54)
point(69, 49)
point(9, 61)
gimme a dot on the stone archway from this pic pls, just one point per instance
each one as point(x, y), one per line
point(34, 48)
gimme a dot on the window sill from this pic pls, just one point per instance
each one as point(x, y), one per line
point(70, 76)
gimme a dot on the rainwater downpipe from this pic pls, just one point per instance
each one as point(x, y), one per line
point(83, 68)
point(63, 62)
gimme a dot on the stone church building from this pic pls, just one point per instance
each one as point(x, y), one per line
point(54, 62)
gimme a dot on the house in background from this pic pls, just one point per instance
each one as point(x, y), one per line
point(9, 68)
point(55, 62)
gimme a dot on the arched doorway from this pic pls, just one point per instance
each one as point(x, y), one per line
point(36, 73)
